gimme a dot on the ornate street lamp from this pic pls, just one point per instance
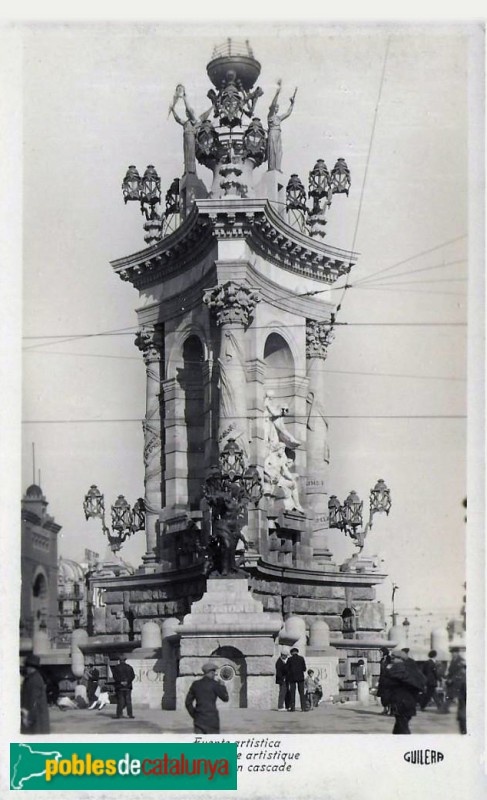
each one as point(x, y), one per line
point(125, 520)
point(322, 187)
point(349, 516)
point(146, 190)
point(295, 194)
point(340, 178)
point(131, 184)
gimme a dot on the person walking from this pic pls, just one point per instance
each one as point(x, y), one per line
point(455, 670)
point(383, 686)
point(430, 672)
point(282, 681)
point(296, 671)
point(33, 699)
point(406, 682)
point(123, 676)
point(201, 700)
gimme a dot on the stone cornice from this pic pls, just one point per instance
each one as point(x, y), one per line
point(254, 220)
point(275, 240)
point(173, 255)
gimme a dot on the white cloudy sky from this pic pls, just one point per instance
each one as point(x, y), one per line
point(95, 99)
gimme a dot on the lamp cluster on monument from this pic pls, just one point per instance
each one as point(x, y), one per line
point(125, 520)
point(322, 186)
point(349, 516)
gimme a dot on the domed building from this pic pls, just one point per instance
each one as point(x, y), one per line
point(39, 566)
point(72, 597)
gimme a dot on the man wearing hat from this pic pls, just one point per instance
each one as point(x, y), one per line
point(33, 699)
point(123, 676)
point(283, 700)
point(405, 682)
point(201, 700)
point(296, 671)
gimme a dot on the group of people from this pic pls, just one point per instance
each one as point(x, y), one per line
point(291, 674)
point(89, 693)
point(405, 685)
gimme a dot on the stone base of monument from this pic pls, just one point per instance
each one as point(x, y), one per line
point(326, 670)
point(155, 676)
point(229, 626)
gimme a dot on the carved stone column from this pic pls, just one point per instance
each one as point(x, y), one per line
point(232, 306)
point(151, 342)
point(318, 338)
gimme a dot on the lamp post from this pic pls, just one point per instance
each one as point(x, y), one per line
point(124, 520)
point(395, 587)
point(147, 191)
point(348, 517)
point(322, 185)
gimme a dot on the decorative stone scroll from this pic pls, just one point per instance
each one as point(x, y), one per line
point(319, 335)
point(232, 303)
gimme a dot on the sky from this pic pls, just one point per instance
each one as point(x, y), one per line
point(392, 100)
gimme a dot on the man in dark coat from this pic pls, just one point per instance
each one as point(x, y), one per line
point(406, 683)
point(33, 699)
point(296, 671)
point(383, 686)
point(201, 700)
point(283, 681)
point(430, 672)
point(123, 677)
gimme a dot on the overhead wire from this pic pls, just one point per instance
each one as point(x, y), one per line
point(362, 191)
point(413, 257)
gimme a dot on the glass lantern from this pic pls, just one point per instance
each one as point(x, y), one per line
point(131, 184)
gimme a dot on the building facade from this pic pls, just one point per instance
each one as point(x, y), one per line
point(39, 567)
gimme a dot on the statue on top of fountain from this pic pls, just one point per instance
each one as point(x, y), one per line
point(233, 100)
point(275, 430)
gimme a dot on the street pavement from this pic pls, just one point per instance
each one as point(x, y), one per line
point(339, 718)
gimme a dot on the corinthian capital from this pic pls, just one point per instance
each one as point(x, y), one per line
point(231, 302)
point(318, 337)
point(149, 340)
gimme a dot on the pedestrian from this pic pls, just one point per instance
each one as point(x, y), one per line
point(201, 700)
point(93, 677)
point(123, 677)
point(33, 699)
point(296, 671)
point(312, 690)
point(102, 699)
point(462, 697)
point(453, 678)
point(406, 682)
point(431, 674)
point(81, 694)
point(384, 686)
point(283, 700)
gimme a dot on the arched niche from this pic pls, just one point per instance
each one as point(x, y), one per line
point(191, 380)
point(278, 358)
point(232, 670)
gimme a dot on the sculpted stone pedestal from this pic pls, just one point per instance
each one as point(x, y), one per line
point(229, 626)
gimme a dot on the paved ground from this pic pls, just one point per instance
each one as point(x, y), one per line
point(342, 718)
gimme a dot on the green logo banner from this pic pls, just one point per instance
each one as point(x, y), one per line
point(107, 766)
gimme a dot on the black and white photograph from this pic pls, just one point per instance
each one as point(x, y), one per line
point(250, 333)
